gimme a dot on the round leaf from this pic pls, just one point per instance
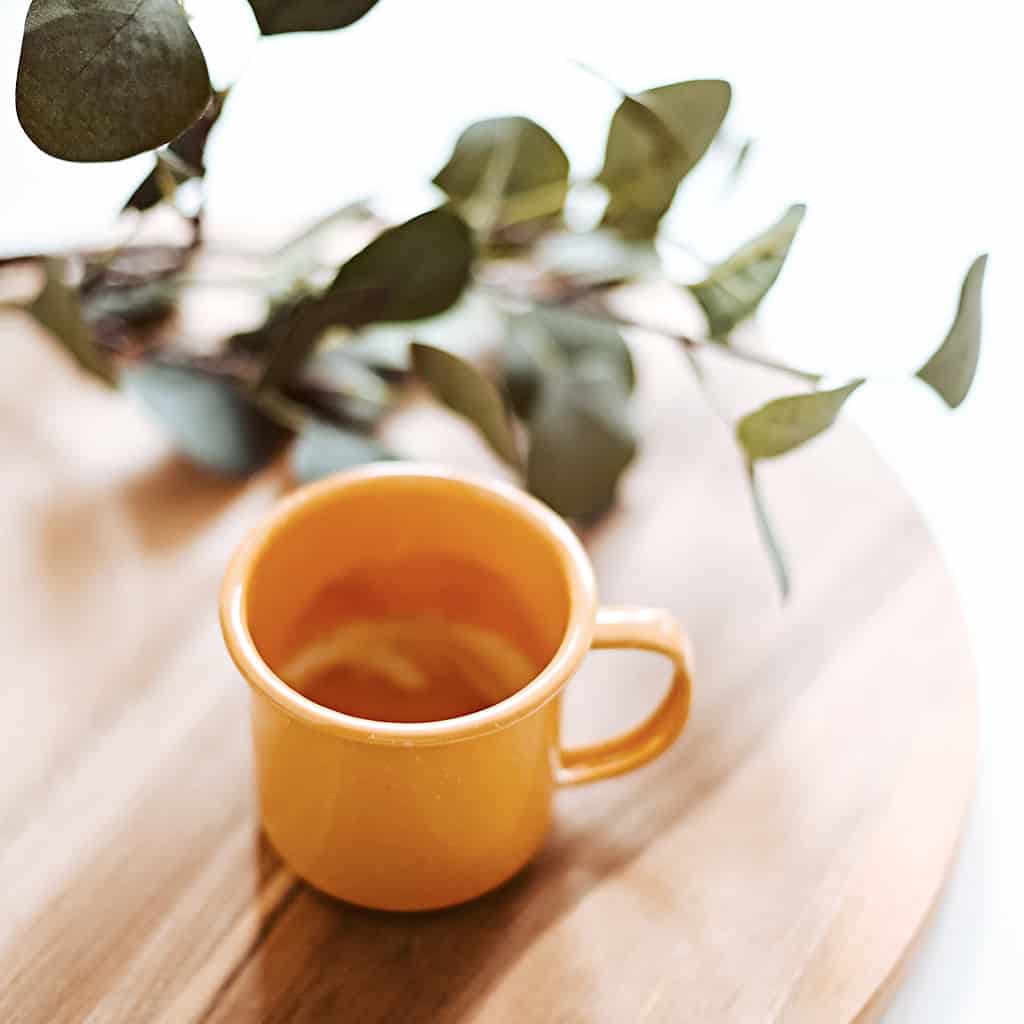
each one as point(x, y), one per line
point(515, 159)
point(276, 16)
point(106, 79)
point(786, 423)
point(209, 420)
point(466, 391)
point(950, 371)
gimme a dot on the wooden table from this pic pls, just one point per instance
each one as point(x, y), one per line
point(777, 865)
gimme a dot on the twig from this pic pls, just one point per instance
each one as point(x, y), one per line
point(688, 342)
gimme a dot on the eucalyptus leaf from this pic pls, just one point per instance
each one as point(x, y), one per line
point(786, 423)
point(581, 440)
point(414, 270)
point(106, 79)
point(323, 449)
point(765, 528)
point(466, 391)
point(417, 269)
point(58, 308)
point(208, 418)
point(511, 163)
point(734, 289)
point(655, 139)
point(950, 370)
point(277, 16)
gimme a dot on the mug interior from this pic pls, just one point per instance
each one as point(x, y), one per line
point(404, 596)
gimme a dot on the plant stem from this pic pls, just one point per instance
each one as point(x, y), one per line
point(689, 343)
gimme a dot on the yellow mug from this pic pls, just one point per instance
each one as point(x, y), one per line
point(397, 812)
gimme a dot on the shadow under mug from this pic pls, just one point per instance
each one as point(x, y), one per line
point(417, 815)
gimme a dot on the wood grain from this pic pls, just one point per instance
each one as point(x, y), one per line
point(776, 866)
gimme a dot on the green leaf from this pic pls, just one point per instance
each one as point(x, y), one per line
point(655, 139)
point(415, 270)
point(768, 537)
point(950, 371)
point(594, 256)
point(580, 443)
point(58, 308)
point(786, 423)
point(510, 163)
point(276, 16)
point(106, 79)
point(466, 391)
point(734, 289)
point(184, 161)
point(323, 449)
point(208, 418)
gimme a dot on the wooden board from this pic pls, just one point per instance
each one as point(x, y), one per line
point(776, 865)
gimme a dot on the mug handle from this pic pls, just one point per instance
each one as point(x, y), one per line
point(646, 629)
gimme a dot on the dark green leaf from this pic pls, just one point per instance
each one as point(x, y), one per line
point(276, 16)
point(580, 442)
point(466, 391)
point(189, 149)
point(58, 308)
point(209, 420)
point(415, 270)
point(323, 449)
point(656, 138)
point(950, 371)
point(593, 256)
point(511, 164)
point(768, 537)
point(786, 423)
point(734, 289)
point(106, 79)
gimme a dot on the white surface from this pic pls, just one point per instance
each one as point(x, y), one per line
point(898, 123)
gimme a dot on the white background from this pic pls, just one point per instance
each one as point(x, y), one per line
point(899, 123)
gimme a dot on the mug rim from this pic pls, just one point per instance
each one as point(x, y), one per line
point(575, 642)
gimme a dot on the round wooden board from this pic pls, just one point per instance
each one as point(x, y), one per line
point(776, 865)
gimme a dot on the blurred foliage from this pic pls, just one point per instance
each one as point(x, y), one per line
point(534, 360)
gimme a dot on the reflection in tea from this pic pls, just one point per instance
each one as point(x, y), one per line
point(417, 669)
point(420, 638)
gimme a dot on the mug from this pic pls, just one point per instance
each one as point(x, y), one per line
point(397, 812)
